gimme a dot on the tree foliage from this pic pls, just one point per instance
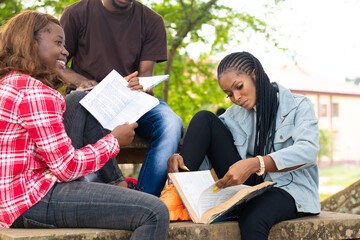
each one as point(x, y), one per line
point(326, 142)
point(354, 80)
point(193, 85)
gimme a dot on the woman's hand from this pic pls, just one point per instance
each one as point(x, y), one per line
point(239, 172)
point(125, 133)
point(175, 162)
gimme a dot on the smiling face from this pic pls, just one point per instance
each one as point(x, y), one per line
point(240, 88)
point(50, 45)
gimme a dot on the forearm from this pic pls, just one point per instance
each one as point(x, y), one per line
point(73, 78)
point(270, 165)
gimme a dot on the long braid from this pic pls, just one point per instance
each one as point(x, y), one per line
point(266, 97)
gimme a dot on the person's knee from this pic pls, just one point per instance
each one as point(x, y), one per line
point(75, 97)
point(163, 213)
point(173, 125)
point(160, 212)
point(203, 115)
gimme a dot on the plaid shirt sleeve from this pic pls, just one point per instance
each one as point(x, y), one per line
point(41, 114)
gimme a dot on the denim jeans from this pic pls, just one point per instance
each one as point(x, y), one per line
point(164, 129)
point(80, 204)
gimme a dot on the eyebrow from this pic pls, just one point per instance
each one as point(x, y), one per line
point(233, 84)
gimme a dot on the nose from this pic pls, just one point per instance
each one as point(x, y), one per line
point(64, 52)
point(237, 95)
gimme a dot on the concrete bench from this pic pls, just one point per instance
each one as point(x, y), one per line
point(326, 226)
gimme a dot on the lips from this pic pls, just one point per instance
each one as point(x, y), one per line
point(62, 63)
point(243, 104)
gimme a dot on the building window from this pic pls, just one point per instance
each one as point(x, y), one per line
point(335, 109)
point(322, 110)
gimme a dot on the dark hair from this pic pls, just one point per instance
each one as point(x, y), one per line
point(17, 47)
point(220, 111)
point(266, 97)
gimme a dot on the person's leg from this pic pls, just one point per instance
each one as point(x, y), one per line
point(84, 129)
point(259, 214)
point(208, 136)
point(95, 205)
point(164, 130)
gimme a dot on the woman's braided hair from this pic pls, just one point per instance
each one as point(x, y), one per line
point(266, 97)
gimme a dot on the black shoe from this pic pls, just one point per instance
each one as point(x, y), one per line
point(133, 186)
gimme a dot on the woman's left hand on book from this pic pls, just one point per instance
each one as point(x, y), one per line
point(238, 173)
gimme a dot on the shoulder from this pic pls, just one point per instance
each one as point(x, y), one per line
point(148, 12)
point(291, 102)
point(77, 8)
point(29, 89)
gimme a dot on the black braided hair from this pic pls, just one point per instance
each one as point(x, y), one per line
point(266, 97)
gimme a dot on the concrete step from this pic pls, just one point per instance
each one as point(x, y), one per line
point(328, 225)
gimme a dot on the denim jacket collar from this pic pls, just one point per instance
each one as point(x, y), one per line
point(286, 104)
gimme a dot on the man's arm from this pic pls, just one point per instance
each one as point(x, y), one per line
point(146, 68)
point(76, 80)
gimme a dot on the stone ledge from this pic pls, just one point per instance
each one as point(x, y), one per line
point(328, 225)
point(136, 151)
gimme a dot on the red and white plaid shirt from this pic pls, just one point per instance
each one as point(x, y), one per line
point(35, 151)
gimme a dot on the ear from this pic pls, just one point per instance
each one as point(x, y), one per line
point(253, 75)
point(36, 44)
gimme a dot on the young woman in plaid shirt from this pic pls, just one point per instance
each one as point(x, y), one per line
point(39, 167)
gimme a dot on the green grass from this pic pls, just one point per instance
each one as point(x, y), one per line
point(341, 175)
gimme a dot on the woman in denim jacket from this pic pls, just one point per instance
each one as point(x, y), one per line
point(269, 134)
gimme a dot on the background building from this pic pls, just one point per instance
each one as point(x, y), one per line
point(337, 105)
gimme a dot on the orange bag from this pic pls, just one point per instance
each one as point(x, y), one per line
point(176, 207)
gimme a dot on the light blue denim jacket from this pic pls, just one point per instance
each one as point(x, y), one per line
point(296, 143)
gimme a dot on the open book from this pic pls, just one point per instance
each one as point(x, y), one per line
point(205, 206)
point(112, 103)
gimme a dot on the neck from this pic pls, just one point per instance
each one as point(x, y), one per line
point(111, 6)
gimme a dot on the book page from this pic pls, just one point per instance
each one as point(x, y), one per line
point(193, 184)
point(210, 199)
point(112, 103)
point(152, 81)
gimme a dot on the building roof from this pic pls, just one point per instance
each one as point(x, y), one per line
point(301, 81)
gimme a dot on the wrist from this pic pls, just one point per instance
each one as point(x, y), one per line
point(261, 166)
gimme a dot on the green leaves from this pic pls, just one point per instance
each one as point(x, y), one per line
point(193, 82)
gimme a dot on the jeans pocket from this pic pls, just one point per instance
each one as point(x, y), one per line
point(29, 223)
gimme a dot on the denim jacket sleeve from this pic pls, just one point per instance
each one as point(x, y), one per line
point(297, 136)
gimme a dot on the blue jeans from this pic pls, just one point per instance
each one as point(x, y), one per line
point(80, 204)
point(164, 129)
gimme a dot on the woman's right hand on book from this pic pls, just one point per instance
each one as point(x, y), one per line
point(176, 162)
point(125, 133)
